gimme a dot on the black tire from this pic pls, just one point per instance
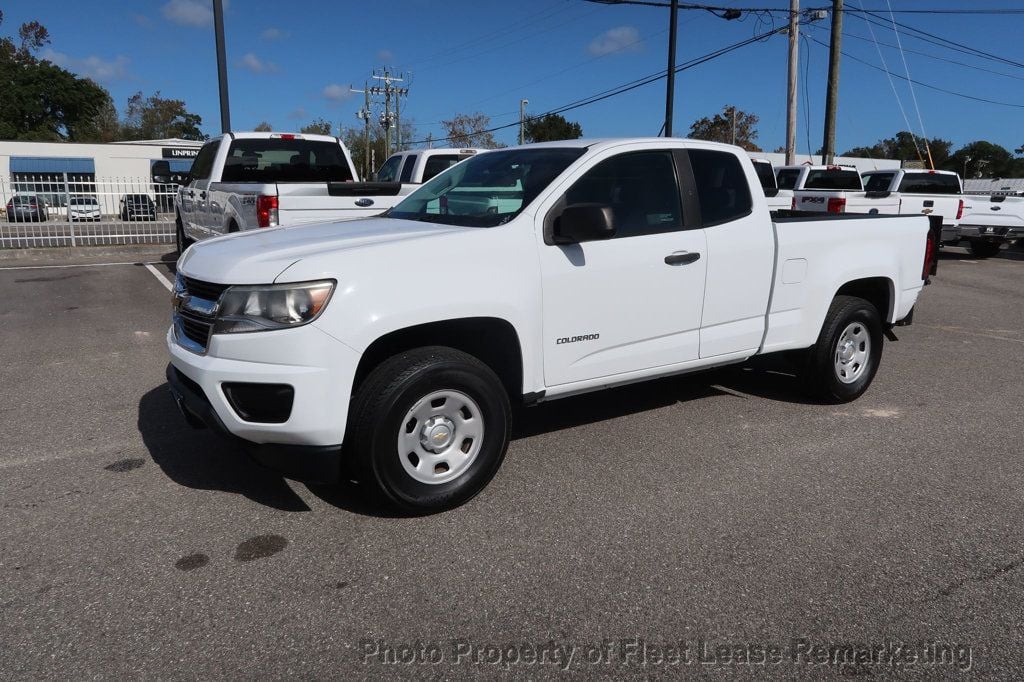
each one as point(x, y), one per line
point(232, 227)
point(384, 401)
point(983, 248)
point(821, 376)
point(181, 241)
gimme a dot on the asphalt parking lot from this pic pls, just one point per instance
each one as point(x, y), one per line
point(716, 510)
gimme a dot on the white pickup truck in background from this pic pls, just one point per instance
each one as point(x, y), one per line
point(988, 222)
point(909, 191)
point(826, 189)
point(244, 181)
point(401, 174)
point(580, 265)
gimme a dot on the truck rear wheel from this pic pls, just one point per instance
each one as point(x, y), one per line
point(842, 364)
point(983, 248)
point(430, 428)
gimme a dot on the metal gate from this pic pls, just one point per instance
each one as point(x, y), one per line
point(72, 210)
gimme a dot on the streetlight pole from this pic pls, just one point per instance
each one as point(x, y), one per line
point(222, 66)
point(670, 87)
point(522, 120)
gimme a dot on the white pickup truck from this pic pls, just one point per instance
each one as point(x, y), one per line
point(244, 181)
point(908, 191)
point(401, 342)
point(988, 222)
point(826, 189)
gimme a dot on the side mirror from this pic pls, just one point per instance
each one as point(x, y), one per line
point(584, 223)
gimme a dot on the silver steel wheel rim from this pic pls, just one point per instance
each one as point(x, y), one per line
point(852, 353)
point(440, 437)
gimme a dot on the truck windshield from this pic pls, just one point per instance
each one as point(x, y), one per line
point(787, 177)
point(486, 190)
point(285, 160)
point(834, 179)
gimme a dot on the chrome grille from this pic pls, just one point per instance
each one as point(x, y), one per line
point(195, 305)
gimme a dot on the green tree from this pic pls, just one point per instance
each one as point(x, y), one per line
point(550, 128)
point(263, 127)
point(732, 126)
point(155, 117)
point(983, 159)
point(470, 130)
point(317, 126)
point(905, 146)
point(40, 100)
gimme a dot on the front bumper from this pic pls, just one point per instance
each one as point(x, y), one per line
point(319, 368)
point(986, 232)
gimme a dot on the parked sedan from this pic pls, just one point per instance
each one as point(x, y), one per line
point(26, 208)
point(137, 207)
point(83, 208)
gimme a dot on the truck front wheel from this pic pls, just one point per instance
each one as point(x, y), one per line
point(842, 364)
point(983, 248)
point(430, 427)
point(181, 241)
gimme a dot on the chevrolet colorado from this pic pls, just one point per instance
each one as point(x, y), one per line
point(401, 342)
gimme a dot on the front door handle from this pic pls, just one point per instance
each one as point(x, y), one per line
point(681, 258)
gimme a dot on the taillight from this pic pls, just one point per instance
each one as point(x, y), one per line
point(931, 248)
point(266, 210)
point(837, 205)
point(960, 210)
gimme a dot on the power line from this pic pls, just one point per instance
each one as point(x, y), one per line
point(779, 10)
point(629, 86)
point(927, 85)
point(932, 56)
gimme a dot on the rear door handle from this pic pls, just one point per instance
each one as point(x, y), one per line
point(683, 258)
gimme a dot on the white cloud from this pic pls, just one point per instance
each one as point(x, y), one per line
point(142, 20)
point(189, 12)
point(337, 93)
point(251, 62)
point(618, 39)
point(386, 56)
point(298, 114)
point(96, 68)
point(272, 34)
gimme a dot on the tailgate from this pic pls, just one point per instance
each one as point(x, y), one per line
point(945, 205)
point(300, 203)
point(993, 211)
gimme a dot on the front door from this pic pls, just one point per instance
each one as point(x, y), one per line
point(634, 301)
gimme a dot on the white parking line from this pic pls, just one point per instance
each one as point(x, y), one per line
point(76, 265)
point(163, 280)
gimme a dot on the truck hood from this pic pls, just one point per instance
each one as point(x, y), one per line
point(260, 256)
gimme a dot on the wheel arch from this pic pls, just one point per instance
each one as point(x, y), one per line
point(492, 340)
point(878, 291)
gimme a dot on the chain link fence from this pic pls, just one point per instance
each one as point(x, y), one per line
point(78, 210)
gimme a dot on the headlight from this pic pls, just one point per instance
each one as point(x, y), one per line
point(279, 306)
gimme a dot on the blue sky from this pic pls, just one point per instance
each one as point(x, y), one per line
point(291, 62)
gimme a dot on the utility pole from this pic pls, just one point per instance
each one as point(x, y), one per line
point(791, 74)
point(388, 90)
point(670, 87)
point(364, 115)
point(430, 140)
point(733, 112)
point(522, 120)
point(222, 66)
point(828, 151)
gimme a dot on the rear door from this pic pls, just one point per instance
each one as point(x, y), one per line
point(741, 254)
point(194, 194)
point(632, 302)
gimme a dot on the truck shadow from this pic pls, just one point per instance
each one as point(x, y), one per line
point(203, 460)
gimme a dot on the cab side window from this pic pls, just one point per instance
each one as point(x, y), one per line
point(722, 187)
point(640, 187)
point(202, 167)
